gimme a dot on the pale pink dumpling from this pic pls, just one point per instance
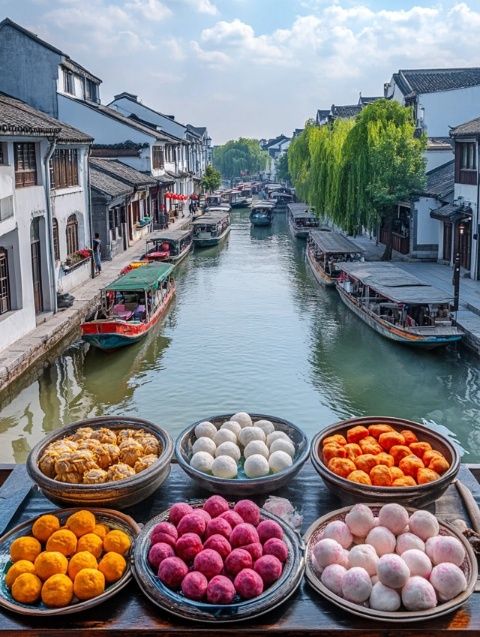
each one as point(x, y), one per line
point(248, 510)
point(220, 544)
point(192, 523)
point(418, 594)
point(407, 541)
point(338, 531)
point(177, 512)
point(268, 529)
point(194, 585)
point(418, 562)
point(394, 517)
point(269, 568)
point(430, 545)
point(382, 540)
point(237, 561)
point(276, 547)
point(220, 590)
point(423, 524)
point(332, 577)
point(448, 549)
point(171, 572)
point(187, 546)
point(248, 584)
point(243, 534)
point(392, 570)
point(384, 598)
point(360, 520)
point(208, 562)
point(327, 551)
point(159, 552)
point(356, 585)
point(215, 505)
point(365, 556)
point(448, 580)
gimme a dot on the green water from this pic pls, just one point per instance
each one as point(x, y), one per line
point(251, 330)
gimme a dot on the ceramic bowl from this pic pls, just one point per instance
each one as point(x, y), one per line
point(118, 494)
point(351, 492)
point(243, 486)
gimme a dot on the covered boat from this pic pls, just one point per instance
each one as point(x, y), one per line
point(281, 200)
point(216, 200)
point(211, 228)
point(130, 307)
point(238, 199)
point(301, 220)
point(326, 250)
point(169, 245)
point(397, 305)
point(262, 214)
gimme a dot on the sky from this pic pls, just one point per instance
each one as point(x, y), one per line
point(254, 68)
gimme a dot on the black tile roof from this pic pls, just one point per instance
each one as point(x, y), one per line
point(471, 127)
point(440, 180)
point(197, 130)
point(349, 110)
point(415, 81)
point(120, 171)
point(107, 184)
point(134, 98)
point(363, 101)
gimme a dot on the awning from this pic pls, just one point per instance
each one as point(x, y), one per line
point(334, 243)
point(145, 278)
point(172, 174)
point(451, 213)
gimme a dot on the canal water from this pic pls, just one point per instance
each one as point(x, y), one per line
point(251, 330)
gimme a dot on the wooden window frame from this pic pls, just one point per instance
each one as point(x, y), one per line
point(5, 293)
point(91, 90)
point(64, 168)
point(68, 82)
point(56, 240)
point(466, 155)
point(71, 233)
point(3, 154)
point(158, 158)
point(25, 164)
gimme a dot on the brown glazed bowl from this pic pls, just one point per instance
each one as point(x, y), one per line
point(117, 494)
point(351, 492)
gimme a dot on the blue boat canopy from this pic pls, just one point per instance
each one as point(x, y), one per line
point(146, 277)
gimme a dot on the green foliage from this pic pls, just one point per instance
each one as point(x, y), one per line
point(211, 179)
point(282, 168)
point(239, 157)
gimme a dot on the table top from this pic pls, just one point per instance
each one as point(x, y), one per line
point(306, 613)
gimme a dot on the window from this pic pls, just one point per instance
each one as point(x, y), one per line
point(56, 242)
point(467, 156)
point(3, 154)
point(91, 90)
point(25, 165)
point(158, 159)
point(466, 163)
point(111, 223)
point(68, 82)
point(5, 300)
point(72, 234)
point(6, 207)
point(64, 168)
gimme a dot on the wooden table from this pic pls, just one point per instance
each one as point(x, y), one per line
point(305, 614)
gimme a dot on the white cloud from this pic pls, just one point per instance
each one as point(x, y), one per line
point(150, 9)
point(204, 6)
point(211, 58)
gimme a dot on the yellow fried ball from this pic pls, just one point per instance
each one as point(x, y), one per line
point(113, 566)
point(25, 548)
point(81, 560)
point(64, 541)
point(91, 543)
point(20, 567)
point(101, 530)
point(81, 522)
point(117, 541)
point(57, 591)
point(88, 583)
point(50, 563)
point(44, 526)
point(26, 588)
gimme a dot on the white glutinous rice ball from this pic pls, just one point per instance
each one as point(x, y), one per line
point(224, 435)
point(407, 541)
point(279, 460)
point(382, 540)
point(256, 466)
point(229, 449)
point(394, 517)
point(423, 524)
point(332, 576)
point(202, 461)
point(418, 594)
point(356, 585)
point(242, 418)
point(430, 545)
point(254, 447)
point(384, 598)
point(448, 580)
point(339, 531)
point(224, 467)
point(418, 562)
point(448, 549)
point(204, 444)
point(232, 426)
point(392, 570)
point(282, 444)
point(327, 551)
point(360, 520)
point(365, 556)
point(275, 435)
point(250, 433)
point(205, 429)
point(265, 425)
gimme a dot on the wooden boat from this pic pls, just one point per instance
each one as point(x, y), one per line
point(130, 307)
point(210, 229)
point(262, 214)
point(397, 305)
point(169, 245)
point(282, 200)
point(301, 220)
point(325, 251)
point(247, 193)
point(216, 200)
point(238, 199)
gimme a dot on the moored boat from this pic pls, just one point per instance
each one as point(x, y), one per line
point(281, 200)
point(262, 214)
point(238, 199)
point(326, 250)
point(301, 220)
point(130, 307)
point(169, 245)
point(216, 200)
point(397, 305)
point(211, 228)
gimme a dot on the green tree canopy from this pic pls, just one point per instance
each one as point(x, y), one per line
point(239, 157)
point(282, 168)
point(211, 179)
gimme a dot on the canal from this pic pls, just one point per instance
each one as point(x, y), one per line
point(251, 330)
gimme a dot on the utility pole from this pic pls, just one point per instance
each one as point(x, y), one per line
point(456, 268)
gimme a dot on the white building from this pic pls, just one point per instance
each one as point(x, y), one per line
point(275, 148)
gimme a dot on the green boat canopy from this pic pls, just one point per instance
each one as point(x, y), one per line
point(146, 277)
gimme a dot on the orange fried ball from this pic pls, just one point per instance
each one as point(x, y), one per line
point(20, 567)
point(419, 448)
point(370, 445)
point(409, 436)
point(378, 429)
point(365, 462)
point(439, 464)
point(119, 542)
point(385, 458)
point(396, 473)
point(399, 452)
point(353, 450)
point(26, 588)
point(57, 591)
point(44, 526)
point(406, 481)
point(64, 541)
point(81, 560)
point(25, 548)
point(410, 465)
point(101, 530)
point(81, 522)
point(426, 475)
point(391, 438)
point(333, 450)
point(50, 563)
point(380, 476)
point(113, 566)
point(88, 583)
point(355, 434)
point(428, 455)
point(341, 466)
point(336, 438)
point(360, 477)
point(92, 543)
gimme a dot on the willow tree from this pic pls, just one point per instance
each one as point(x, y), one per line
point(299, 160)
point(239, 157)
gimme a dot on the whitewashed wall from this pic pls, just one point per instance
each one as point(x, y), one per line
point(437, 158)
point(449, 108)
point(127, 107)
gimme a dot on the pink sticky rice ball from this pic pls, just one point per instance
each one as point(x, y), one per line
point(165, 538)
point(276, 547)
point(407, 541)
point(360, 520)
point(248, 510)
point(394, 517)
point(177, 512)
point(192, 523)
point(243, 534)
point(158, 552)
point(248, 584)
point(423, 524)
point(448, 549)
point(218, 526)
point(384, 598)
point(332, 576)
point(207, 517)
point(171, 572)
point(220, 590)
point(418, 562)
point(382, 540)
point(448, 580)
point(269, 568)
point(418, 594)
point(220, 544)
point(268, 529)
point(215, 505)
point(208, 562)
point(255, 549)
point(327, 551)
point(237, 561)
point(356, 585)
point(194, 585)
point(338, 531)
point(232, 518)
point(365, 556)
point(430, 545)
point(392, 570)
point(188, 546)
point(165, 527)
